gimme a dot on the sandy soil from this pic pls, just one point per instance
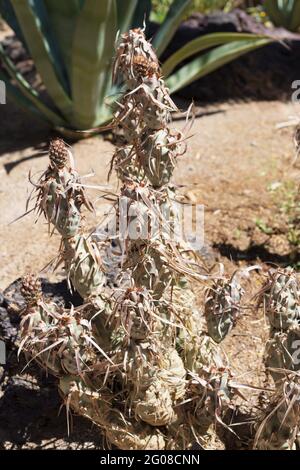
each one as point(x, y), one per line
point(235, 156)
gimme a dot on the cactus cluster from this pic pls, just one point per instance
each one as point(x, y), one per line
point(140, 358)
point(280, 423)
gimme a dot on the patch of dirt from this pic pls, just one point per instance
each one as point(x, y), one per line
point(235, 155)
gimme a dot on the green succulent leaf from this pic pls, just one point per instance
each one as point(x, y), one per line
point(125, 12)
point(141, 14)
point(169, 26)
point(199, 44)
point(284, 13)
point(212, 60)
point(18, 96)
point(62, 20)
point(92, 62)
point(8, 14)
point(33, 20)
point(294, 24)
point(72, 46)
point(29, 93)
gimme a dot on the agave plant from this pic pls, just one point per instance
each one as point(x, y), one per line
point(71, 45)
point(284, 13)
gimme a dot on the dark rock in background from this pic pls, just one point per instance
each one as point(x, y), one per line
point(32, 414)
point(264, 74)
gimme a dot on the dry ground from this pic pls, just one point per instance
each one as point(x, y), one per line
point(235, 155)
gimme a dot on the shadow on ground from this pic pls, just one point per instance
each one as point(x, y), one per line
point(255, 253)
point(20, 129)
point(32, 414)
point(31, 411)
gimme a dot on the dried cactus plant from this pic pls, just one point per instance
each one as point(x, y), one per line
point(136, 358)
point(280, 422)
point(59, 196)
point(222, 306)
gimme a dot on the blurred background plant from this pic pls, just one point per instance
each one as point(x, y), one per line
point(284, 13)
point(71, 46)
point(160, 7)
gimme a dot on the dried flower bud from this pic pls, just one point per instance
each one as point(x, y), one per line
point(222, 307)
point(135, 57)
point(58, 153)
point(31, 289)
